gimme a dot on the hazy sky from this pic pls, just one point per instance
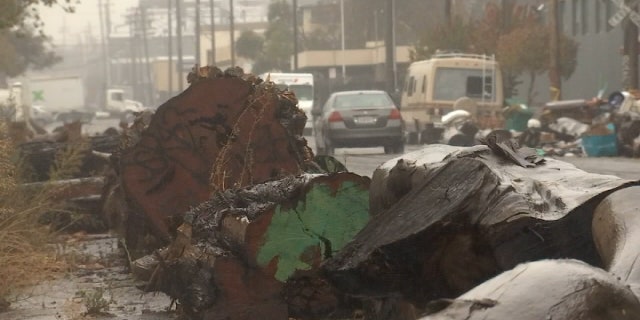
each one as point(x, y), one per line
point(70, 27)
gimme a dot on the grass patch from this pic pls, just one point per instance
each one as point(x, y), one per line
point(26, 256)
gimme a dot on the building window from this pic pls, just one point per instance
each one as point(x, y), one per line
point(598, 16)
point(424, 84)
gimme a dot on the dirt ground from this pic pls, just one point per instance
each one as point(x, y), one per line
point(98, 287)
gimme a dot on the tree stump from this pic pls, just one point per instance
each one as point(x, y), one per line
point(227, 130)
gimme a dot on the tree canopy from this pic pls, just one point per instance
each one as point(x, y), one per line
point(23, 43)
point(249, 45)
point(277, 46)
point(515, 34)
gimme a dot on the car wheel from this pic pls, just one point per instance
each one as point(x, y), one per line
point(399, 148)
point(412, 138)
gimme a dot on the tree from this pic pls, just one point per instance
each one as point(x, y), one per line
point(278, 39)
point(449, 36)
point(524, 51)
point(249, 45)
point(23, 43)
point(514, 33)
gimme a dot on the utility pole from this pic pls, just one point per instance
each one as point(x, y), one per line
point(630, 52)
point(342, 42)
point(179, 35)
point(213, 33)
point(232, 34)
point(295, 35)
point(108, 41)
point(447, 11)
point(390, 47)
point(197, 31)
point(145, 44)
point(105, 63)
point(132, 55)
point(554, 52)
point(170, 42)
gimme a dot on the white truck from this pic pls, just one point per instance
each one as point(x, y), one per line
point(118, 105)
point(302, 86)
point(65, 98)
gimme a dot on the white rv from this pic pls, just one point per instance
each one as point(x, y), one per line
point(302, 86)
point(433, 86)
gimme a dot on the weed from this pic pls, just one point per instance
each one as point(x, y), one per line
point(25, 257)
point(95, 301)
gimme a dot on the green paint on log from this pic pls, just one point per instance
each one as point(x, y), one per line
point(322, 218)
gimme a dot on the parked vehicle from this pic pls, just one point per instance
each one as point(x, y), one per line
point(432, 87)
point(358, 119)
point(117, 104)
point(15, 104)
point(65, 98)
point(41, 116)
point(302, 86)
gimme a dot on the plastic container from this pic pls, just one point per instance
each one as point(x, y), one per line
point(600, 146)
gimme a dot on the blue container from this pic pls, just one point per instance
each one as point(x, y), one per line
point(600, 146)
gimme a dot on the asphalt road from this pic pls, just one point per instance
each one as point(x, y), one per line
point(363, 161)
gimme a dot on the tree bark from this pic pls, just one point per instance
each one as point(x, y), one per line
point(257, 250)
point(461, 217)
point(228, 129)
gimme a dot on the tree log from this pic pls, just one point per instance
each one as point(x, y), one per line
point(39, 155)
point(548, 289)
point(474, 215)
point(226, 130)
point(67, 190)
point(256, 251)
point(616, 231)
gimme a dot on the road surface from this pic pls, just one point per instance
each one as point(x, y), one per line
point(363, 161)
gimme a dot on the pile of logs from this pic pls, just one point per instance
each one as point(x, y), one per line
point(69, 169)
point(217, 188)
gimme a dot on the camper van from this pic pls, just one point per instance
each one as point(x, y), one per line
point(302, 86)
point(433, 86)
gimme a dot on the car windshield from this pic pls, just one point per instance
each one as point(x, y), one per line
point(362, 100)
point(453, 83)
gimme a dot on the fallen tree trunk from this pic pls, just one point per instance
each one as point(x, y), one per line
point(549, 289)
point(66, 190)
point(255, 252)
point(39, 156)
point(616, 231)
point(474, 214)
point(227, 130)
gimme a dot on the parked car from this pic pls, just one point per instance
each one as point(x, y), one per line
point(358, 119)
point(41, 115)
